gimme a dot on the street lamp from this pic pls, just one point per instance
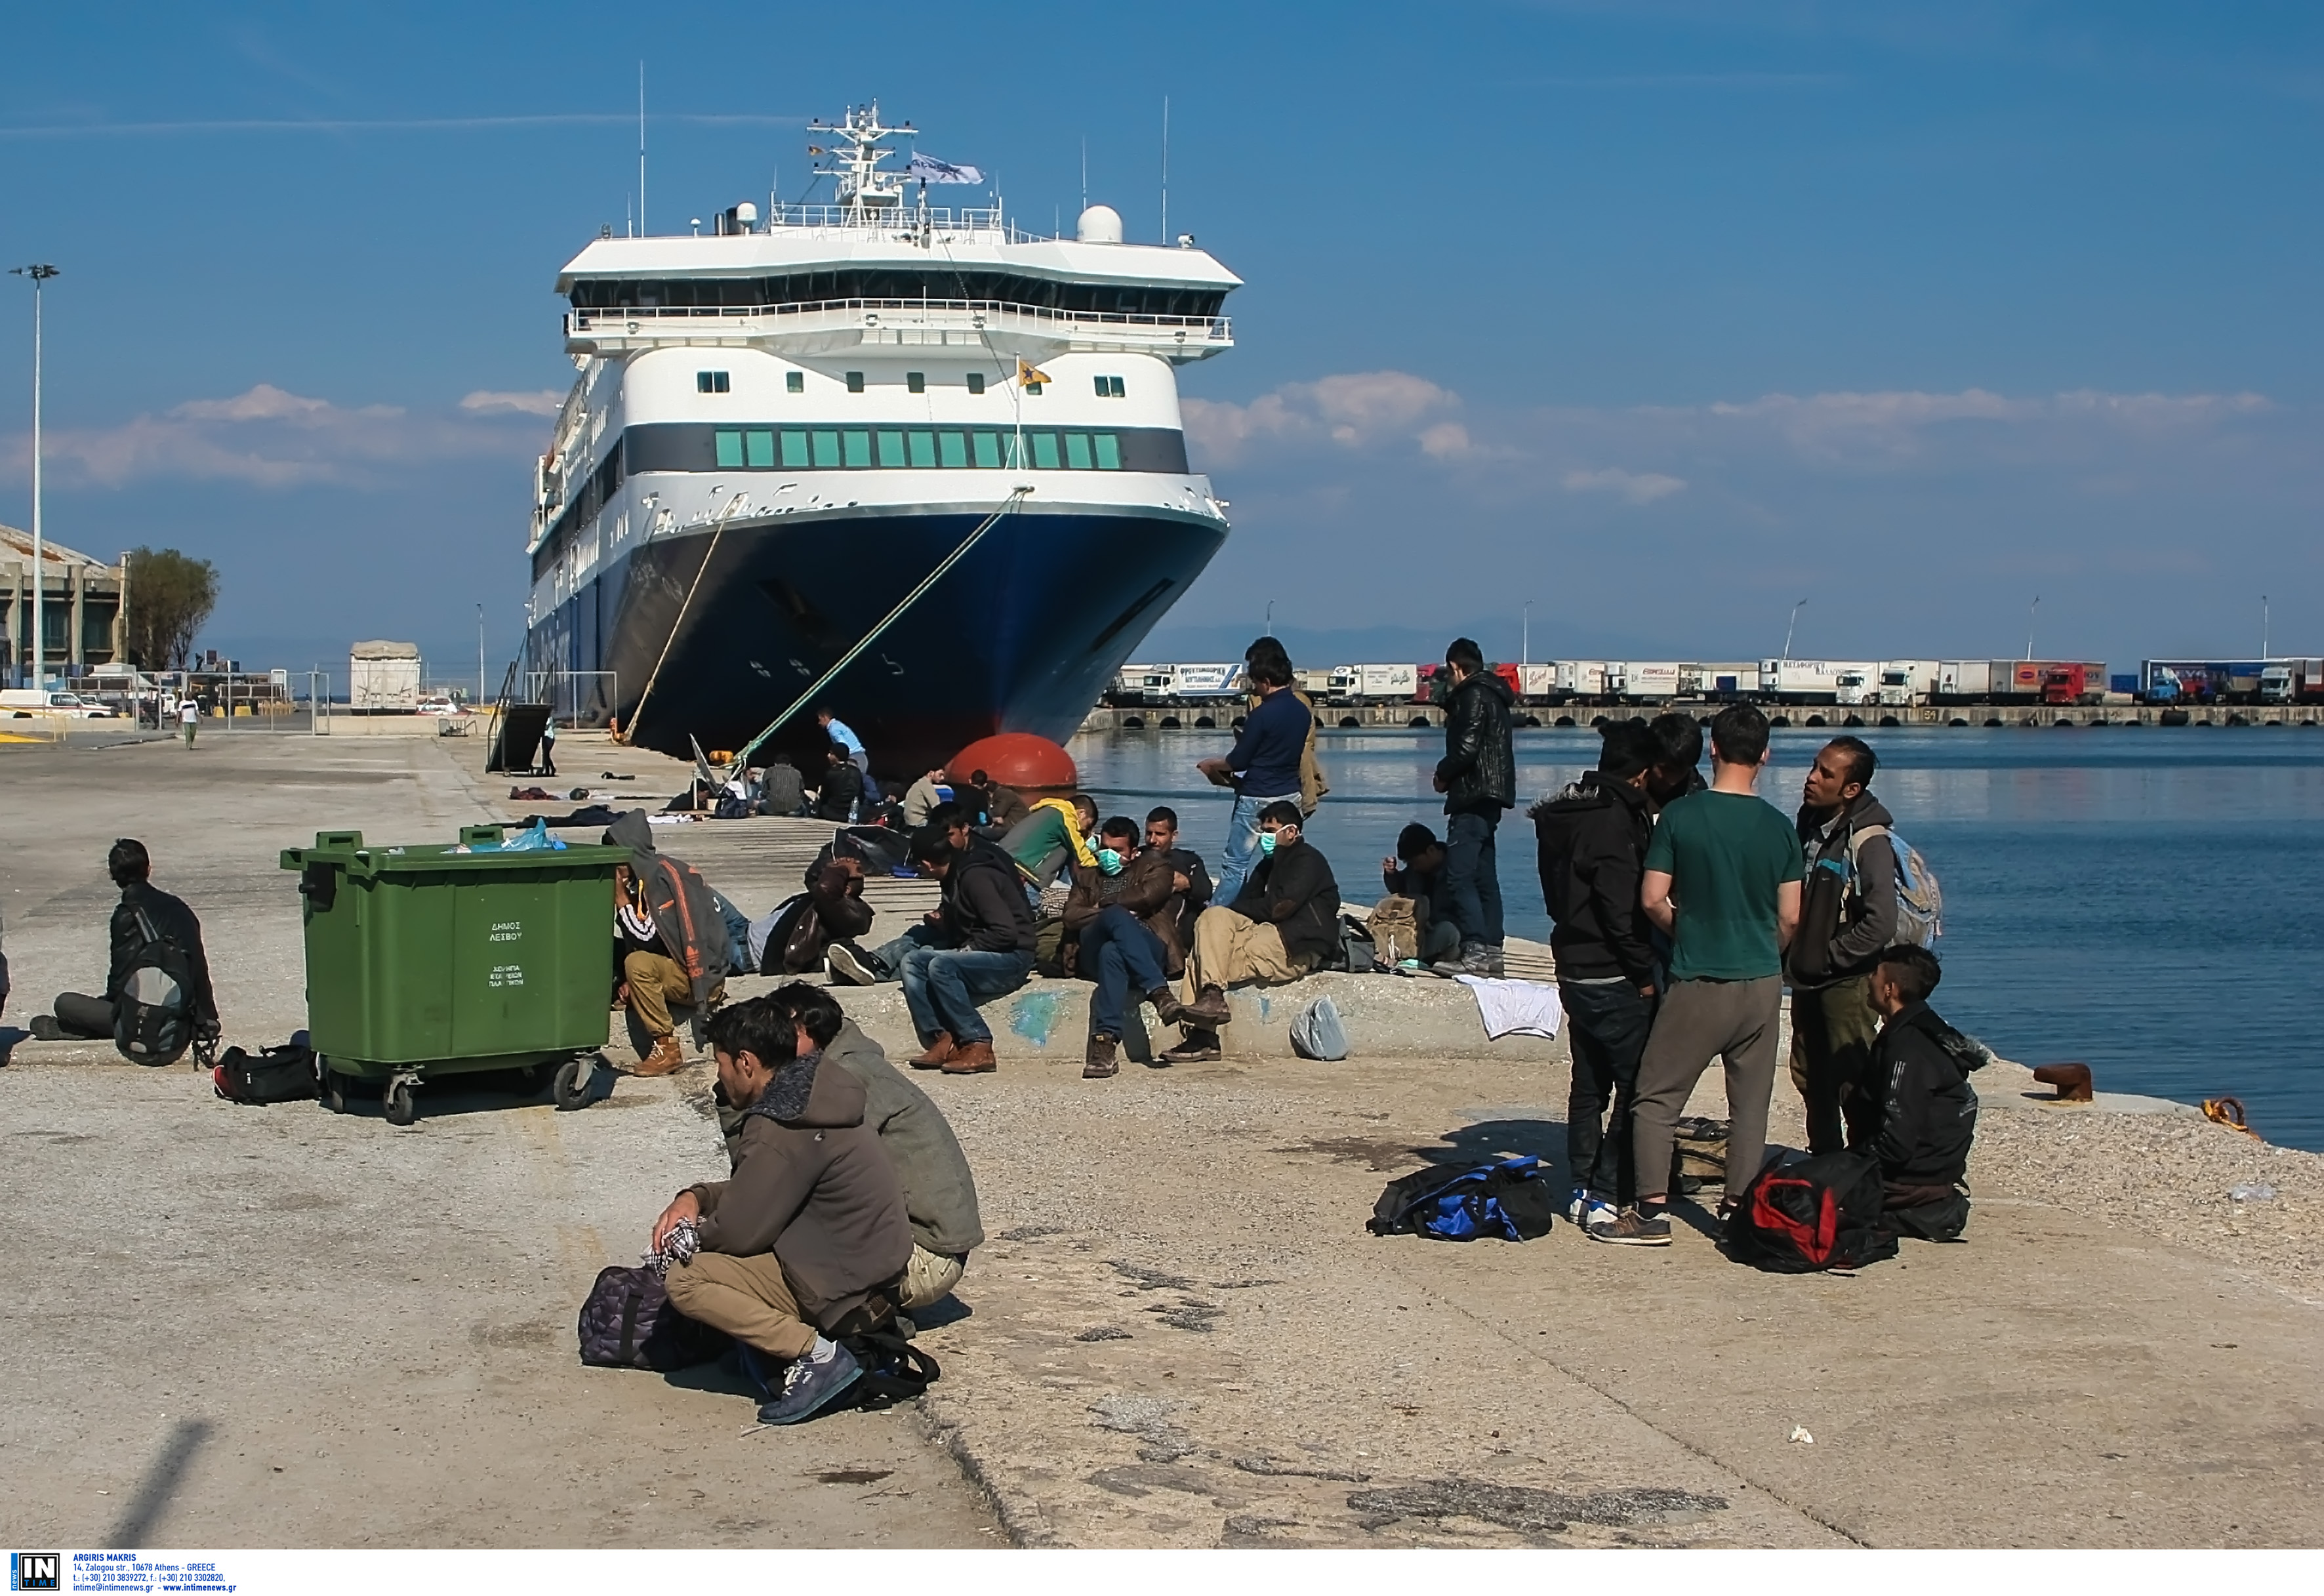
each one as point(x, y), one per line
point(39, 272)
point(1524, 638)
point(2029, 624)
point(1795, 621)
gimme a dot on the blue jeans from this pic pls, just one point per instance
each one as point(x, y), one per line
point(1115, 951)
point(892, 953)
point(944, 985)
point(1242, 842)
point(1472, 875)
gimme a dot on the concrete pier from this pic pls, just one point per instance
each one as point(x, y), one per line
point(1178, 1333)
point(1401, 716)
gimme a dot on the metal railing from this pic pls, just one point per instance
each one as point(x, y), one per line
point(934, 218)
point(970, 313)
point(577, 698)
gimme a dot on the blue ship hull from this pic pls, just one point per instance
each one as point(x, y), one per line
point(1018, 636)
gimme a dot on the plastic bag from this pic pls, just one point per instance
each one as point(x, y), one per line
point(534, 838)
point(1317, 1033)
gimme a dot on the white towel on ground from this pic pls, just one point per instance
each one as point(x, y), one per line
point(1516, 1008)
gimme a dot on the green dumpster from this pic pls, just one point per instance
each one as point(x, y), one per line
point(435, 959)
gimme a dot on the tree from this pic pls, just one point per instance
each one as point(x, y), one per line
point(171, 596)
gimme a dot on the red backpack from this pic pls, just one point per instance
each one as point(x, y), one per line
point(1806, 1213)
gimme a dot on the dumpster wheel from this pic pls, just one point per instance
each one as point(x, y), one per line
point(574, 1077)
point(400, 1105)
point(335, 1091)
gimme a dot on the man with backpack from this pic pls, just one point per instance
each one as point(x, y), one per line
point(1847, 915)
point(804, 1245)
point(669, 939)
point(1592, 838)
point(1920, 1071)
point(1723, 877)
point(158, 1000)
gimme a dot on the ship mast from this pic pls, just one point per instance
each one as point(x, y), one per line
point(869, 196)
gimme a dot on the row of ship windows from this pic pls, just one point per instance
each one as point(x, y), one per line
point(839, 448)
point(914, 382)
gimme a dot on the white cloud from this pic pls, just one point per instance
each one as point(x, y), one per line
point(1635, 487)
point(1353, 410)
point(544, 402)
point(269, 437)
point(1447, 441)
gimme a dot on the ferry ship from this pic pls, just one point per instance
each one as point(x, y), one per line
point(784, 427)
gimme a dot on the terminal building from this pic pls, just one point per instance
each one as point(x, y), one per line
point(81, 608)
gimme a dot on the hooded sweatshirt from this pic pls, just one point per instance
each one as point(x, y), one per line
point(812, 1187)
point(684, 911)
point(1847, 915)
point(1593, 842)
point(1928, 1119)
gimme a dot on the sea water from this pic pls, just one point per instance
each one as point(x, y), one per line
point(2147, 900)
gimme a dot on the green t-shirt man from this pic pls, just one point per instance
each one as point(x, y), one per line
point(1728, 855)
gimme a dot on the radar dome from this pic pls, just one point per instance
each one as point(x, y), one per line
point(1100, 224)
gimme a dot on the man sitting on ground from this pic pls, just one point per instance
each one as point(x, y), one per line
point(1119, 916)
point(843, 787)
point(1004, 805)
point(803, 1244)
point(923, 795)
point(939, 1189)
point(851, 965)
point(144, 915)
point(1928, 1118)
point(1284, 922)
point(1416, 874)
point(1052, 837)
point(983, 949)
point(1188, 880)
point(796, 937)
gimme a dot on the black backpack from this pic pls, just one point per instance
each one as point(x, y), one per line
point(1810, 1211)
point(285, 1074)
point(894, 1370)
point(629, 1323)
point(1461, 1202)
point(153, 1016)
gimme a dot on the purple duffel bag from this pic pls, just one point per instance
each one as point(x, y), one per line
point(629, 1323)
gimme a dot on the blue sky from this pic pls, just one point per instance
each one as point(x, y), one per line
point(1658, 314)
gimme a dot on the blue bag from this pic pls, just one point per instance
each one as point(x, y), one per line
point(1460, 1202)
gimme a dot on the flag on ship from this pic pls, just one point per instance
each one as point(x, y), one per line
point(930, 170)
point(1030, 376)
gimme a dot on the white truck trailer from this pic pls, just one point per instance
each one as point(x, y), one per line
point(1375, 684)
point(1904, 683)
point(384, 678)
point(1816, 681)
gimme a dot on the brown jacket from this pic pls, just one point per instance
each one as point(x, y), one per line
point(813, 1187)
point(1146, 892)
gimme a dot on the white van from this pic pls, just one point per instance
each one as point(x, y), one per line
point(16, 701)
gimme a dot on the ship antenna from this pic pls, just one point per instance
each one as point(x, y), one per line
point(641, 149)
point(1166, 169)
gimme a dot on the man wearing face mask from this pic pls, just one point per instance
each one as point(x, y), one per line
point(1117, 920)
point(1282, 925)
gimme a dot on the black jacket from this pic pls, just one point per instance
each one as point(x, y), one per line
point(843, 784)
point(984, 904)
point(1292, 890)
point(174, 922)
point(1479, 767)
point(1592, 840)
point(1928, 1116)
point(1846, 916)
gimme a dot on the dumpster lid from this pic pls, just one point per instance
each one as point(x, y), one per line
point(477, 850)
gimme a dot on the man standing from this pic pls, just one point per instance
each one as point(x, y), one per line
point(1479, 778)
point(190, 716)
point(1723, 877)
point(1847, 915)
point(1283, 924)
point(840, 733)
point(1263, 766)
point(1676, 774)
point(1592, 839)
point(985, 950)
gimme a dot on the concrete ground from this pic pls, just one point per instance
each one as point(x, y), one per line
point(1179, 1333)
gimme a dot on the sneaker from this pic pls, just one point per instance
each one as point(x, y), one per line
point(1579, 1204)
point(1102, 1060)
point(1496, 966)
point(1601, 1213)
point(851, 966)
point(45, 1028)
point(1632, 1228)
point(809, 1387)
point(764, 1371)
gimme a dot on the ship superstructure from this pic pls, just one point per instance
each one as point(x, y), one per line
point(784, 425)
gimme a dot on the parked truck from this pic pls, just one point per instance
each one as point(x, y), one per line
point(1814, 682)
point(384, 678)
point(1728, 679)
point(1374, 684)
point(2203, 681)
point(1904, 683)
point(1646, 681)
point(2292, 681)
point(1537, 682)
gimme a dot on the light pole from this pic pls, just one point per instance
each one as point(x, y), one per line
point(480, 654)
point(1270, 618)
point(2029, 624)
point(39, 272)
point(1524, 638)
point(2263, 626)
point(1788, 625)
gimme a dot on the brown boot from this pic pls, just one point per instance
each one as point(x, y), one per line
point(1101, 1061)
point(1200, 1047)
point(667, 1058)
point(936, 1053)
point(1209, 1008)
point(972, 1058)
point(1168, 1009)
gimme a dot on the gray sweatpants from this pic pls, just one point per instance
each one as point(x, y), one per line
point(1700, 1021)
